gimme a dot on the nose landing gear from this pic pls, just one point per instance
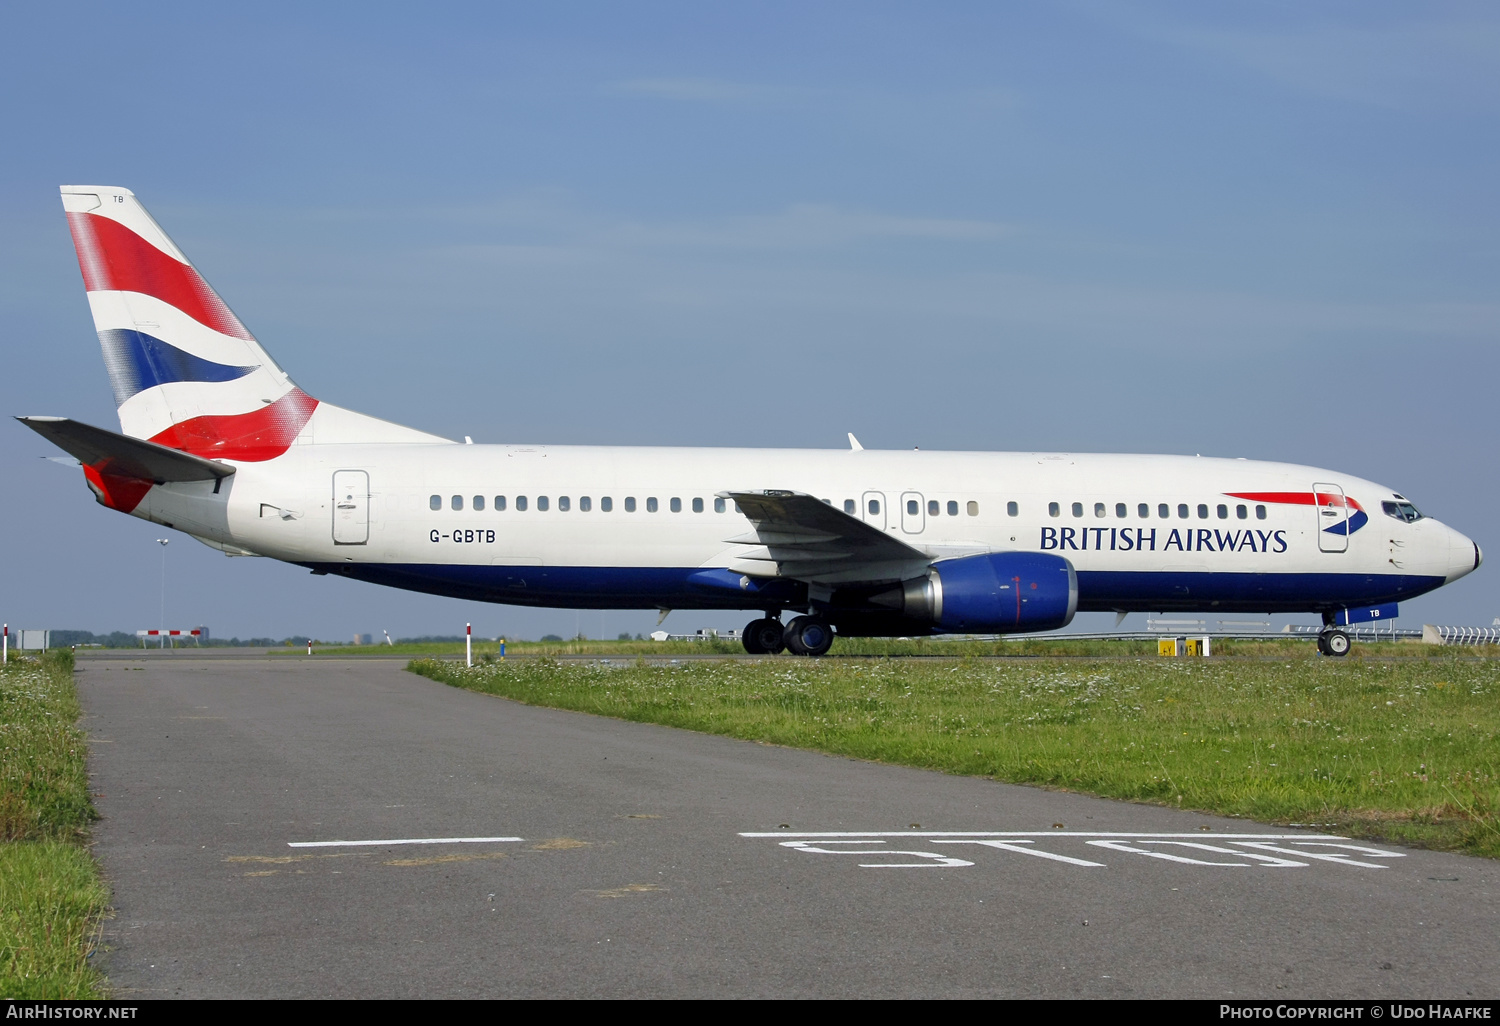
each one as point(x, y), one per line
point(1333, 643)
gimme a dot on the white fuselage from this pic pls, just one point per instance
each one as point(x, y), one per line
point(589, 548)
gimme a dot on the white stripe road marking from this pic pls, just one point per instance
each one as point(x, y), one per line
point(1016, 846)
point(1040, 833)
point(402, 840)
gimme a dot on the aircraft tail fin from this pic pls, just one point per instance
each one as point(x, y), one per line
point(186, 373)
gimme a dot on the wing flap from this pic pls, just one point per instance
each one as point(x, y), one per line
point(799, 536)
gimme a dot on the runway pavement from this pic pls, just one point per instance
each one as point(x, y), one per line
point(568, 855)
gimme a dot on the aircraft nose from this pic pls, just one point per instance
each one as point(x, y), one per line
point(1464, 556)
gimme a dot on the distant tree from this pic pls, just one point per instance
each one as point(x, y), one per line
point(550, 637)
point(624, 636)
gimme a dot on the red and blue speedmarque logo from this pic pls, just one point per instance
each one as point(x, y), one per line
point(1356, 519)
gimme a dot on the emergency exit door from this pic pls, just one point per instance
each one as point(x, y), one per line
point(1333, 517)
point(351, 507)
point(913, 513)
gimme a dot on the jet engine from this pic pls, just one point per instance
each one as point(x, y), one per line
point(996, 593)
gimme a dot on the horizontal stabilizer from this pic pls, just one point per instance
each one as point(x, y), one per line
point(118, 455)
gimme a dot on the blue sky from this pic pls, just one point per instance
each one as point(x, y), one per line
point(1264, 231)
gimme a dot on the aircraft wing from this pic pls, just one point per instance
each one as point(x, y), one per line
point(123, 456)
point(799, 536)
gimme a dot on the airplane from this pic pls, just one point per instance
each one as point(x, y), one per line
point(217, 441)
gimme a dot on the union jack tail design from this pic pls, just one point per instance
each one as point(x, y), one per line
point(186, 373)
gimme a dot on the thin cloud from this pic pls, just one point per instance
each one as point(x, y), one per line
point(807, 226)
point(1398, 64)
point(701, 90)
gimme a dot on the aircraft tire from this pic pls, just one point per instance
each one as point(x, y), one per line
point(1334, 643)
point(809, 636)
point(763, 637)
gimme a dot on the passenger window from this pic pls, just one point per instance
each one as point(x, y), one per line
point(1260, 512)
point(933, 507)
point(874, 507)
point(541, 504)
point(479, 502)
point(630, 504)
point(1098, 509)
point(1143, 511)
point(1011, 509)
point(1202, 511)
point(912, 507)
point(1164, 511)
point(1223, 511)
point(606, 504)
point(563, 502)
point(457, 502)
point(520, 504)
point(1241, 512)
point(697, 505)
point(952, 508)
point(499, 503)
point(973, 508)
point(436, 502)
point(718, 505)
point(1053, 509)
point(1182, 511)
point(1121, 511)
point(585, 504)
point(1078, 509)
point(849, 506)
point(651, 504)
point(675, 504)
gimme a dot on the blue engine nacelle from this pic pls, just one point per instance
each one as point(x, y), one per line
point(997, 593)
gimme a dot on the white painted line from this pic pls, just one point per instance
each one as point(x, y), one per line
point(1198, 835)
point(402, 840)
point(1016, 846)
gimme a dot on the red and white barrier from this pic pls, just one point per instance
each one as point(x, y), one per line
point(196, 633)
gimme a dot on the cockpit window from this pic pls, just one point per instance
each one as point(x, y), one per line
point(1402, 511)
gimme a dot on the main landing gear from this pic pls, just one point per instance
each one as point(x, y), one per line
point(804, 635)
point(764, 636)
point(1333, 643)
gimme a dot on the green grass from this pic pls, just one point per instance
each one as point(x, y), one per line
point(1396, 750)
point(51, 897)
point(1291, 648)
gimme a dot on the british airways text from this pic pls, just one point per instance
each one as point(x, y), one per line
point(1129, 539)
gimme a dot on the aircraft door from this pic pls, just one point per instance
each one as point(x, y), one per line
point(872, 509)
point(1333, 518)
point(913, 517)
point(351, 507)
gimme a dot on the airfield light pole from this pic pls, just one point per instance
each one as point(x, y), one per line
point(162, 623)
point(468, 644)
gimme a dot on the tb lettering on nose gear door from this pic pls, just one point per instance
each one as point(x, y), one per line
point(351, 507)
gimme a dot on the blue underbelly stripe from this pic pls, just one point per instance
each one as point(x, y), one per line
point(579, 587)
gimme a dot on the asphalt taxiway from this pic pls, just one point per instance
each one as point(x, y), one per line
point(277, 827)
